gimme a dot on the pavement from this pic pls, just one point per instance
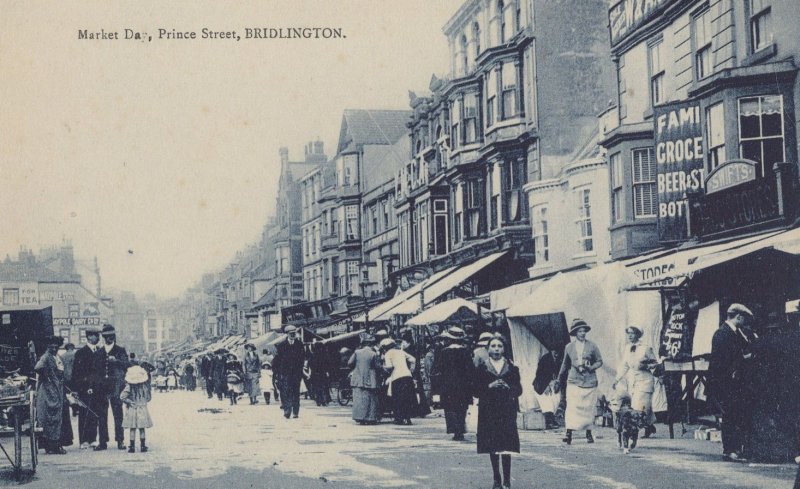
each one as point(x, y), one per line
point(200, 442)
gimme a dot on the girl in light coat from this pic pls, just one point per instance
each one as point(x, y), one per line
point(135, 396)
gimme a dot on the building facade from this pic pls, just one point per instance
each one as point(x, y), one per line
point(512, 109)
point(706, 93)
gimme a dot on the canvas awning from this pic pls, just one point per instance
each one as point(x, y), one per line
point(381, 311)
point(439, 285)
point(341, 337)
point(440, 313)
point(676, 266)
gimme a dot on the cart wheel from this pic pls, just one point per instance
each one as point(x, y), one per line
point(345, 396)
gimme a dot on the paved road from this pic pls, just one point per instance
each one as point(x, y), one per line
point(207, 443)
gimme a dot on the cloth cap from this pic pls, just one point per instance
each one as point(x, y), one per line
point(578, 324)
point(739, 309)
point(290, 329)
point(136, 375)
point(633, 329)
point(108, 330)
point(92, 330)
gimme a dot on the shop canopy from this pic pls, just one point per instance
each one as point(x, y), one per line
point(452, 310)
point(384, 310)
point(342, 337)
point(437, 286)
point(671, 268)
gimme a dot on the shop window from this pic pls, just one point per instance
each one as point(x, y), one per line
point(470, 118)
point(455, 124)
point(11, 297)
point(585, 220)
point(761, 130)
point(491, 96)
point(617, 180)
point(509, 80)
point(351, 214)
point(541, 238)
point(701, 27)
point(644, 183)
point(715, 128)
point(760, 25)
point(458, 214)
point(657, 72)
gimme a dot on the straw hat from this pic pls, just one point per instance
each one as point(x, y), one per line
point(136, 375)
point(578, 324)
point(387, 343)
point(635, 330)
point(739, 309)
point(484, 339)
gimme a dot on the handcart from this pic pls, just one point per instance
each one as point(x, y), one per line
point(19, 416)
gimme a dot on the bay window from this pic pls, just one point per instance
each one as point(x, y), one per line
point(491, 97)
point(715, 129)
point(617, 179)
point(455, 123)
point(584, 220)
point(761, 130)
point(458, 212)
point(644, 183)
point(509, 80)
point(541, 239)
point(351, 215)
point(470, 118)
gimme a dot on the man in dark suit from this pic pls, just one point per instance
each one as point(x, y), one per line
point(205, 373)
point(84, 379)
point(112, 362)
point(729, 371)
point(288, 364)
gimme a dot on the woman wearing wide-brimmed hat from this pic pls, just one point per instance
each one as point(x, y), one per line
point(365, 381)
point(399, 365)
point(252, 373)
point(637, 360)
point(581, 359)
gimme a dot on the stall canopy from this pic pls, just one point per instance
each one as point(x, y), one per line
point(452, 310)
point(437, 286)
point(341, 337)
point(539, 322)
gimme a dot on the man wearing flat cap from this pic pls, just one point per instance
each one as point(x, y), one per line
point(288, 366)
point(112, 361)
point(729, 368)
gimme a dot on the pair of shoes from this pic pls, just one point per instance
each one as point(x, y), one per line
point(84, 446)
point(120, 445)
point(101, 446)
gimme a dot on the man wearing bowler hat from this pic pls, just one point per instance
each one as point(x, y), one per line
point(728, 372)
point(288, 365)
point(85, 378)
point(112, 362)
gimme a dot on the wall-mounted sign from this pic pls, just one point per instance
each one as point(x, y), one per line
point(679, 165)
point(85, 321)
point(730, 174)
point(627, 15)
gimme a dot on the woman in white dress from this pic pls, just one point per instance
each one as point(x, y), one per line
point(637, 360)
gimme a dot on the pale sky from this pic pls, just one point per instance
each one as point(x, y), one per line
point(170, 148)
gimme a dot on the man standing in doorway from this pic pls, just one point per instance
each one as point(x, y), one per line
point(112, 361)
point(84, 379)
point(288, 364)
point(729, 369)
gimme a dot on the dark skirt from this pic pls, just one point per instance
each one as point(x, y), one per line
point(455, 419)
point(403, 398)
point(497, 428)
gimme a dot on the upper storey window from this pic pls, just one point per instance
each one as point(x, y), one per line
point(760, 24)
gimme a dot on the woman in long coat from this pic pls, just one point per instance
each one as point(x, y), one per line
point(497, 387)
point(581, 359)
point(365, 382)
point(50, 396)
point(637, 360)
point(252, 373)
point(399, 365)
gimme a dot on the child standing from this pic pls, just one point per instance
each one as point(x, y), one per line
point(135, 396)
